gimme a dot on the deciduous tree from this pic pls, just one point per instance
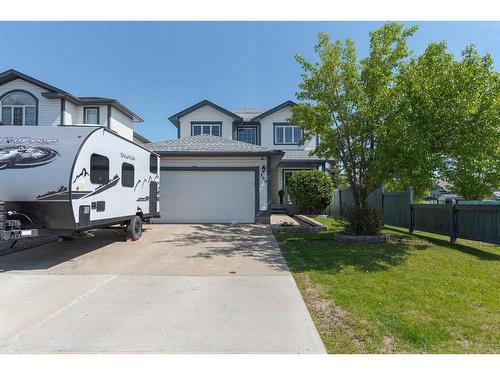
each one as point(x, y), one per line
point(350, 103)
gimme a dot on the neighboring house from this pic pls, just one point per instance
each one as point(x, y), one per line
point(26, 101)
point(442, 193)
point(496, 195)
point(228, 166)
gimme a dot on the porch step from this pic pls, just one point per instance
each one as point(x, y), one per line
point(278, 209)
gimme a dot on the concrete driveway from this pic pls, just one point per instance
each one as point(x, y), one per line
point(180, 289)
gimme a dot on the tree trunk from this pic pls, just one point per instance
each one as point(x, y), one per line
point(359, 196)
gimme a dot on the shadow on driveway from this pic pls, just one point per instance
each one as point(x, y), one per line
point(245, 240)
point(49, 255)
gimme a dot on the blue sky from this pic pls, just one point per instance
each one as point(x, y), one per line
point(160, 68)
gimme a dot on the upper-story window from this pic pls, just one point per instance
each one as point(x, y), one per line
point(91, 115)
point(19, 108)
point(286, 134)
point(248, 135)
point(211, 128)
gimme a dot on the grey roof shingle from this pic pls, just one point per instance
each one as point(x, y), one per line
point(207, 144)
point(247, 114)
point(291, 155)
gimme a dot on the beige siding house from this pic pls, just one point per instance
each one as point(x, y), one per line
point(228, 166)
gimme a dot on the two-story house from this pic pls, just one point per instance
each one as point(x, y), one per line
point(228, 166)
point(26, 101)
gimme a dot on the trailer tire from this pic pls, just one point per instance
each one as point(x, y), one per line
point(134, 228)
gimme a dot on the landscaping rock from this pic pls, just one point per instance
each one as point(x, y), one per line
point(309, 220)
point(297, 229)
point(364, 240)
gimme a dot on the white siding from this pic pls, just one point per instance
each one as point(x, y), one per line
point(121, 124)
point(70, 113)
point(206, 113)
point(49, 110)
point(226, 162)
point(267, 129)
point(103, 114)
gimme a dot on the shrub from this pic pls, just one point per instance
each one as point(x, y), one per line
point(364, 221)
point(310, 191)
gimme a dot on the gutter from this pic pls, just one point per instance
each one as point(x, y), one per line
point(215, 154)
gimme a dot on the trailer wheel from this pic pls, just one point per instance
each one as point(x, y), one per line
point(134, 228)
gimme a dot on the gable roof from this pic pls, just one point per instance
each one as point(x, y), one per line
point(247, 114)
point(56, 93)
point(209, 145)
point(175, 118)
point(288, 103)
point(302, 155)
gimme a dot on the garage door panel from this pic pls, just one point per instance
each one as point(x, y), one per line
point(207, 197)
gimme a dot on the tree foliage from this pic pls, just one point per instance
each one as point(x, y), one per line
point(403, 120)
point(337, 175)
point(448, 124)
point(350, 103)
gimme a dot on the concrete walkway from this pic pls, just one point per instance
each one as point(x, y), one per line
point(180, 289)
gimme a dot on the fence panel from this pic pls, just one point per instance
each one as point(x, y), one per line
point(471, 221)
point(480, 223)
point(396, 208)
point(376, 198)
point(334, 207)
point(433, 218)
point(343, 198)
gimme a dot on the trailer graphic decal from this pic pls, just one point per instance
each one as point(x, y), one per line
point(144, 181)
point(79, 194)
point(61, 193)
point(18, 157)
point(83, 173)
point(104, 187)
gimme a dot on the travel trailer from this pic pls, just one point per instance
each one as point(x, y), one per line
point(58, 180)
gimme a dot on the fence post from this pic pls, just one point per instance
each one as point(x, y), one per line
point(410, 199)
point(453, 231)
point(411, 218)
point(382, 200)
point(340, 202)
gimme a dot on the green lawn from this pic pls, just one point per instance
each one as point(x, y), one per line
point(416, 294)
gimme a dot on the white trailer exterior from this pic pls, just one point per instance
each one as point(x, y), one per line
point(68, 179)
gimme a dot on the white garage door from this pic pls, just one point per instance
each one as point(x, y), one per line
point(207, 197)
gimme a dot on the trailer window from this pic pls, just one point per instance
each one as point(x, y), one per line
point(127, 175)
point(99, 169)
point(153, 164)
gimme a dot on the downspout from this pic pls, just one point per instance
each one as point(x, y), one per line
point(269, 186)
